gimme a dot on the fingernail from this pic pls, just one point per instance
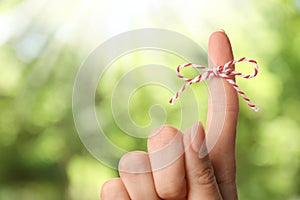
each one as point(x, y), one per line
point(195, 138)
point(190, 137)
point(198, 141)
point(220, 30)
point(203, 151)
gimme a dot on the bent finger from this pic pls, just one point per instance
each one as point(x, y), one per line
point(200, 175)
point(166, 155)
point(135, 171)
point(114, 189)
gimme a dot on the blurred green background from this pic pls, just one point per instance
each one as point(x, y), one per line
point(43, 44)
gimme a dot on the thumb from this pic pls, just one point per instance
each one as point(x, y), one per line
point(200, 175)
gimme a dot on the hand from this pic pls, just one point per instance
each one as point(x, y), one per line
point(195, 174)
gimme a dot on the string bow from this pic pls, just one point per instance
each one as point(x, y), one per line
point(223, 71)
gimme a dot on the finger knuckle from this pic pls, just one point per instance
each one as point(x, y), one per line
point(206, 177)
point(105, 190)
point(109, 190)
point(171, 191)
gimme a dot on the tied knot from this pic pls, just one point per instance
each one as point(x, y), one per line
point(216, 70)
point(224, 71)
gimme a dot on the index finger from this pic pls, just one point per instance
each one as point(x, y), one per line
point(222, 117)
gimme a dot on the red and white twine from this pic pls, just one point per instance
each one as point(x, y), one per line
point(223, 71)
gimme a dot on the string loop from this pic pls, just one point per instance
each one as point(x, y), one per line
point(223, 71)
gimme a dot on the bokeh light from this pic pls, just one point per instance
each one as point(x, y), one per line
point(43, 43)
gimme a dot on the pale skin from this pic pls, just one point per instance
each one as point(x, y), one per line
point(191, 176)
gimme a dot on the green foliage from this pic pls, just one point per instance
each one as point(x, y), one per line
point(41, 155)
